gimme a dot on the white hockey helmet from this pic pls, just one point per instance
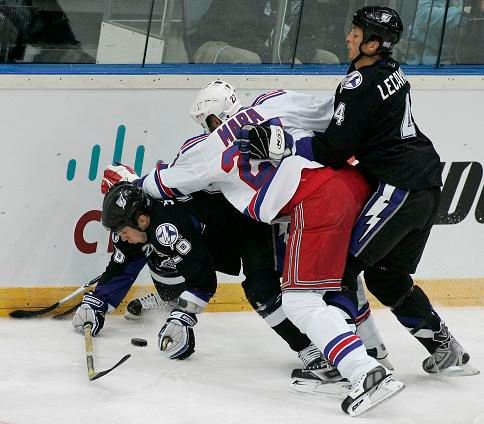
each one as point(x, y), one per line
point(217, 98)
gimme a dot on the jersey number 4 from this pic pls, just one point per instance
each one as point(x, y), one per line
point(407, 129)
point(339, 113)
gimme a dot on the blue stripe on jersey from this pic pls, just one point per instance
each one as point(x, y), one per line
point(166, 192)
point(164, 195)
point(192, 142)
point(378, 211)
point(274, 121)
point(253, 210)
point(266, 96)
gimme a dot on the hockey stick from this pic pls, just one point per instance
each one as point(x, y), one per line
point(91, 372)
point(66, 312)
point(21, 313)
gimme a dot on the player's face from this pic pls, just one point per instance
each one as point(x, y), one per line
point(353, 41)
point(213, 122)
point(132, 235)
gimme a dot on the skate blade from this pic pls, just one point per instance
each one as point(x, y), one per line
point(337, 390)
point(316, 375)
point(385, 390)
point(129, 315)
point(457, 371)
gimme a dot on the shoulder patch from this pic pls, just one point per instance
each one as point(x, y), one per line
point(118, 256)
point(351, 81)
point(115, 237)
point(166, 234)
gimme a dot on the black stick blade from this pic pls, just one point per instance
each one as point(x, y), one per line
point(62, 315)
point(101, 373)
point(20, 313)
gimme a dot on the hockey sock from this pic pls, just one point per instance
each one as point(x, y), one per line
point(365, 324)
point(353, 268)
point(417, 315)
point(170, 291)
point(329, 332)
point(291, 334)
point(272, 313)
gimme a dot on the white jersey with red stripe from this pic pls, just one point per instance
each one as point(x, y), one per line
point(214, 161)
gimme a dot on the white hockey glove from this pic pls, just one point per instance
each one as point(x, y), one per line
point(265, 142)
point(176, 338)
point(114, 174)
point(92, 311)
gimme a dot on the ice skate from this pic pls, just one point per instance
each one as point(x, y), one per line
point(449, 359)
point(318, 376)
point(135, 308)
point(380, 353)
point(325, 380)
point(371, 389)
point(310, 355)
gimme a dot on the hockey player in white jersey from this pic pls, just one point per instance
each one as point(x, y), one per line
point(322, 204)
point(220, 99)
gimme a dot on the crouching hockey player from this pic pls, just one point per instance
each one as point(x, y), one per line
point(184, 243)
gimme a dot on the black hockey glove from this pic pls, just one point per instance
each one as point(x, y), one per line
point(92, 311)
point(264, 142)
point(176, 338)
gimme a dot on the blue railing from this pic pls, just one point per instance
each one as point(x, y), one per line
point(193, 69)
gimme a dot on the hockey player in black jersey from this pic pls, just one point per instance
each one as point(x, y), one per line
point(193, 239)
point(373, 122)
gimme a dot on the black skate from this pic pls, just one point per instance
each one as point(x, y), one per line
point(449, 359)
point(371, 389)
point(318, 376)
point(310, 355)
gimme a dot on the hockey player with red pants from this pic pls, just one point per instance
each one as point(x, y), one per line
point(323, 211)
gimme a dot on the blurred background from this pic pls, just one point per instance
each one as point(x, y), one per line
point(280, 32)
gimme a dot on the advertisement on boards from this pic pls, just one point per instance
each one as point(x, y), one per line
point(56, 143)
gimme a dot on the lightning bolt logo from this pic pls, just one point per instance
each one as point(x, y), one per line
point(374, 215)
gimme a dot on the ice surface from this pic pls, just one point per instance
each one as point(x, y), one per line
point(238, 374)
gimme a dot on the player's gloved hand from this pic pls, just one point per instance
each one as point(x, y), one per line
point(114, 174)
point(92, 309)
point(176, 338)
point(264, 142)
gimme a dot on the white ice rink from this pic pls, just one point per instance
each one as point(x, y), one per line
point(238, 374)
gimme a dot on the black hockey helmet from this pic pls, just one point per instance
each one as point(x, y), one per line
point(380, 23)
point(122, 205)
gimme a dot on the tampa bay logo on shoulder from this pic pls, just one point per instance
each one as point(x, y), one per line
point(351, 81)
point(166, 234)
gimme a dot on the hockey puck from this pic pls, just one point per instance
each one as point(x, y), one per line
point(138, 342)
